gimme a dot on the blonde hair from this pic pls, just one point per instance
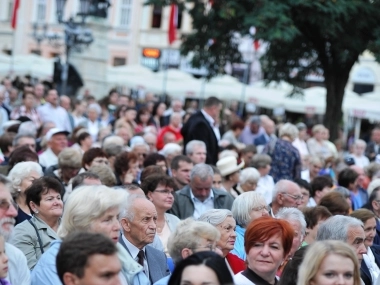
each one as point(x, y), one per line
point(70, 157)
point(318, 252)
point(88, 203)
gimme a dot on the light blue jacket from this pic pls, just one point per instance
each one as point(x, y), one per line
point(45, 272)
point(239, 243)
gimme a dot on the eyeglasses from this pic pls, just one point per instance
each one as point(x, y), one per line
point(294, 197)
point(261, 209)
point(5, 205)
point(165, 191)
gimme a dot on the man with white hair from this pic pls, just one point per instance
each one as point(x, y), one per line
point(141, 149)
point(347, 229)
point(56, 141)
point(175, 107)
point(199, 196)
point(197, 151)
point(285, 194)
point(151, 141)
point(358, 154)
point(18, 272)
point(52, 112)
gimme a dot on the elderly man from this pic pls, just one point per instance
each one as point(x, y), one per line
point(181, 167)
point(346, 229)
point(190, 237)
point(139, 230)
point(25, 139)
point(198, 197)
point(196, 151)
point(252, 131)
point(51, 111)
point(151, 141)
point(285, 194)
point(56, 142)
point(18, 272)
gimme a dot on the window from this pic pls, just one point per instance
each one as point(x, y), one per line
point(117, 61)
point(41, 11)
point(363, 88)
point(125, 13)
point(157, 16)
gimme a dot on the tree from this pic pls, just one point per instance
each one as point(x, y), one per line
point(304, 36)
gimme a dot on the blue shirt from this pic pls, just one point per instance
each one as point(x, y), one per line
point(201, 207)
point(163, 281)
point(239, 243)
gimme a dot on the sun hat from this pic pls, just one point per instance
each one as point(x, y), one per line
point(228, 165)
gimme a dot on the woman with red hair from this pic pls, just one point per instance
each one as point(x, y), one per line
point(267, 242)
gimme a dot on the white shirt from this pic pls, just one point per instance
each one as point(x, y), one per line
point(361, 161)
point(201, 207)
point(93, 129)
point(311, 202)
point(265, 187)
point(134, 251)
point(301, 146)
point(48, 158)
point(18, 272)
point(57, 115)
point(369, 260)
point(212, 124)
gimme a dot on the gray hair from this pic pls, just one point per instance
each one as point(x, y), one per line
point(293, 214)
point(249, 174)
point(20, 136)
point(112, 149)
point(112, 140)
point(201, 170)
point(261, 161)
point(128, 211)
point(192, 144)
point(215, 216)
point(289, 130)
point(171, 149)
point(21, 171)
point(143, 143)
point(336, 228)
point(243, 205)
point(344, 191)
point(96, 107)
point(360, 142)
point(87, 204)
point(281, 187)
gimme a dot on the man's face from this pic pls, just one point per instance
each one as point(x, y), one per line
point(141, 152)
point(57, 143)
point(269, 127)
point(254, 128)
point(30, 142)
point(177, 106)
point(247, 157)
point(292, 197)
point(141, 230)
point(182, 174)
point(355, 238)
point(65, 103)
point(100, 270)
point(39, 91)
point(199, 155)
point(29, 100)
point(8, 212)
point(52, 97)
point(376, 136)
point(201, 188)
point(151, 141)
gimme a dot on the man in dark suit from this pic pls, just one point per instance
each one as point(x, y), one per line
point(373, 147)
point(139, 230)
point(203, 126)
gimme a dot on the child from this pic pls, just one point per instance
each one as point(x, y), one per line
point(3, 263)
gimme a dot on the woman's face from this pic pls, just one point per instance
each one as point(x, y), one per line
point(334, 269)
point(161, 109)
point(144, 117)
point(198, 275)
point(162, 197)
point(370, 231)
point(130, 115)
point(87, 142)
point(249, 185)
point(265, 257)
point(108, 224)
point(27, 181)
point(259, 211)
point(51, 205)
point(227, 235)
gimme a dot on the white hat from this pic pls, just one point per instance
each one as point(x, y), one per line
point(228, 165)
point(54, 131)
point(10, 123)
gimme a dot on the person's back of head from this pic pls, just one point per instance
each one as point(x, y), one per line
point(347, 178)
point(336, 203)
point(337, 227)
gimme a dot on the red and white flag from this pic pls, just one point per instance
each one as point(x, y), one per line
point(16, 5)
point(256, 44)
point(173, 22)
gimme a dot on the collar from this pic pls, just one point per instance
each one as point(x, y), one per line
point(194, 199)
point(256, 279)
point(208, 118)
point(133, 250)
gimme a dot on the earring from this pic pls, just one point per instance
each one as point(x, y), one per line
point(36, 212)
point(18, 190)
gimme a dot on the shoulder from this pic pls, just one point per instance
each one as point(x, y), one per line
point(172, 218)
point(13, 252)
point(185, 191)
point(240, 279)
point(151, 251)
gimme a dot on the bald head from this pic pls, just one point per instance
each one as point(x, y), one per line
point(65, 102)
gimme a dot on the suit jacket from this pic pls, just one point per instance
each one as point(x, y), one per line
point(261, 140)
point(370, 151)
point(157, 262)
point(198, 128)
point(183, 206)
point(364, 271)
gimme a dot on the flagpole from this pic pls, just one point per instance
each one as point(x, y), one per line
point(11, 65)
point(16, 6)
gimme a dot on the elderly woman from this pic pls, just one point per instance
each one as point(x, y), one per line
point(22, 176)
point(225, 223)
point(33, 237)
point(230, 171)
point(286, 160)
point(267, 243)
point(90, 209)
point(93, 122)
point(248, 180)
point(126, 168)
point(325, 257)
point(246, 208)
point(297, 220)
point(317, 144)
point(160, 191)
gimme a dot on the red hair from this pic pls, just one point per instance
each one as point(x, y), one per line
point(262, 229)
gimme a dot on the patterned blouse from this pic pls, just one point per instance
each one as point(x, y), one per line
point(32, 114)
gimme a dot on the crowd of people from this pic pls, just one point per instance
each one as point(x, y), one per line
point(125, 191)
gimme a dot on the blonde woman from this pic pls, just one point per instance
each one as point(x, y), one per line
point(329, 262)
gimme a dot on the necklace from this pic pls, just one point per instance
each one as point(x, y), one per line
point(160, 227)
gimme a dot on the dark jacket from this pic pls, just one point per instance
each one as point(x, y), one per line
point(261, 140)
point(198, 128)
point(183, 206)
point(370, 151)
point(364, 271)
